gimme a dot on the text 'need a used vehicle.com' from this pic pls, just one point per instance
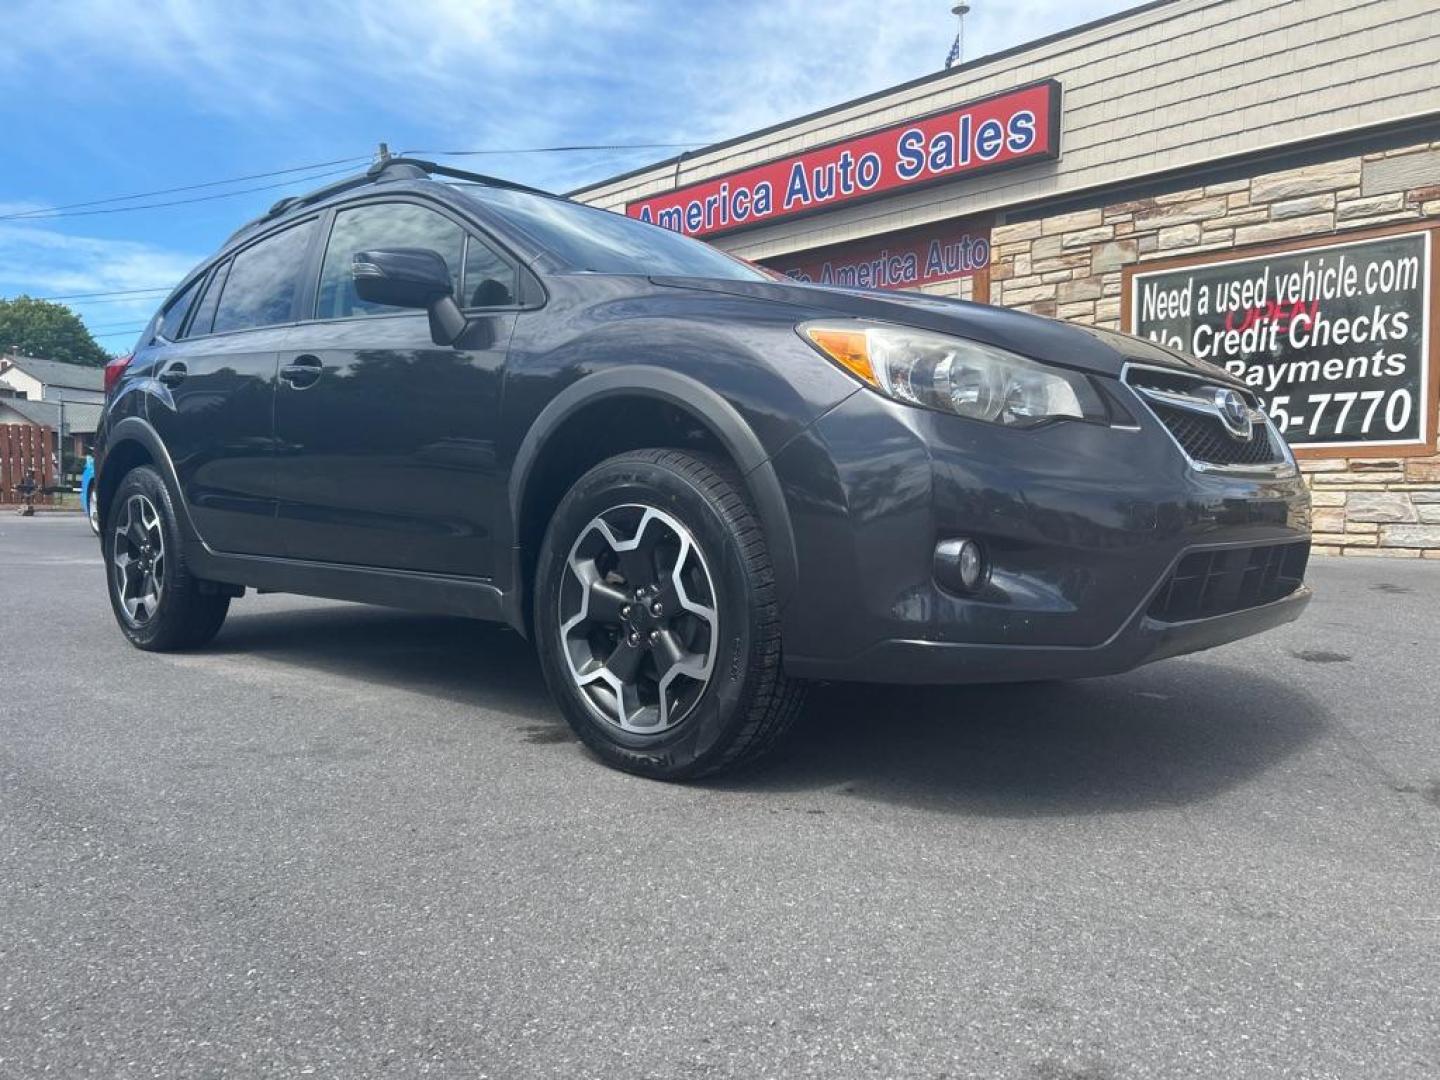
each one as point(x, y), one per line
point(693, 486)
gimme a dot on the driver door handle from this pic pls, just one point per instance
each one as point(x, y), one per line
point(303, 371)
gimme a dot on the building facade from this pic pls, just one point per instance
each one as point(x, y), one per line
point(1254, 182)
point(65, 398)
point(50, 380)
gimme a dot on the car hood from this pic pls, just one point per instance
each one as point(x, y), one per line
point(1071, 344)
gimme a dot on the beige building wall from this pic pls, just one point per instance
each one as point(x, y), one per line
point(1173, 86)
point(25, 385)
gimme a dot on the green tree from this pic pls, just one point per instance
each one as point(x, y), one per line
point(49, 331)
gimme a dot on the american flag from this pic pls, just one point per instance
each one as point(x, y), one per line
point(954, 53)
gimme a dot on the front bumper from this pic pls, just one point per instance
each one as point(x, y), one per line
point(1083, 525)
point(1141, 641)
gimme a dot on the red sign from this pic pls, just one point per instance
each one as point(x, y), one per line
point(1013, 128)
point(903, 260)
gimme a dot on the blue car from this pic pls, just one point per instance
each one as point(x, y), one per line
point(88, 493)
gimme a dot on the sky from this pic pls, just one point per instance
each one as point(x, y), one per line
point(104, 98)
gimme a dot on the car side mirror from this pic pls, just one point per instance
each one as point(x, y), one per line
point(410, 278)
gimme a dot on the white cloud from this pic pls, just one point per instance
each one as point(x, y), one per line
point(43, 262)
point(458, 74)
point(281, 57)
point(507, 72)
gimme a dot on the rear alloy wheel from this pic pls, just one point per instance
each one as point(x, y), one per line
point(656, 617)
point(92, 510)
point(137, 558)
point(157, 603)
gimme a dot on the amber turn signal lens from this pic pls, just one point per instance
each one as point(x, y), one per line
point(847, 348)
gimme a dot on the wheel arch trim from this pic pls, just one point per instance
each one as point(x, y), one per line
point(133, 429)
point(710, 409)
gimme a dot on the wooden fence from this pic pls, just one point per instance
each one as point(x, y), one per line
point(25, 448)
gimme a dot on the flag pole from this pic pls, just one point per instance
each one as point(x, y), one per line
point(957, 50)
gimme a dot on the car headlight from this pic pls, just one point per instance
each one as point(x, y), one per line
point(956, 375)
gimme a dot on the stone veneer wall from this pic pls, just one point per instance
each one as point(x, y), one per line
point(1069, 266)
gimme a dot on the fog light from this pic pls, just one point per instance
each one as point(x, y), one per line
point(960, 564)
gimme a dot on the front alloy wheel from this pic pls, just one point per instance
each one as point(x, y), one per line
point(137, 559)
point(638, 625)
point(657, 619)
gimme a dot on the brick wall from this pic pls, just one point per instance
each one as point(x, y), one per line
point(1069, 265)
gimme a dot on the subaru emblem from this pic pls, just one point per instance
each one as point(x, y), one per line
point(1233, 412)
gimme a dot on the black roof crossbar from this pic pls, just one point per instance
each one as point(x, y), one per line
point(436, 169)
point(391, 168)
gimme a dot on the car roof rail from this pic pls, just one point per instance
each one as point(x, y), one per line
point(387, 168)
point(432, 168)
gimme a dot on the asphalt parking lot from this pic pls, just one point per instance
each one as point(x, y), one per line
point(351, 842)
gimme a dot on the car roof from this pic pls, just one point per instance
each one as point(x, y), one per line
point(398, 175)
point(408, 172)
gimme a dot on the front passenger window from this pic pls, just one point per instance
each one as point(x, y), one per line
point(381, 225)
point(489, 279)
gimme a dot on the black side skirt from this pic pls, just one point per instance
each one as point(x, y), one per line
point(436, 594)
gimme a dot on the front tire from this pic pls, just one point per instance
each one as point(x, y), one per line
point(656, 617)
point(160, 607)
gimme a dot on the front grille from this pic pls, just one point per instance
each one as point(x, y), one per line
point(1223, 580)
point(1205, 439)
point(1202, 435)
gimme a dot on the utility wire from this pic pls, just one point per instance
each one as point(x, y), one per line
point(550, 149)
point(80, 209)
point(186, 187)
point(117, 327)
point(36, 215)
point(156, 295)
point(113, 292)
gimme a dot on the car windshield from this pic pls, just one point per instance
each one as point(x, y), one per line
point(598, 241)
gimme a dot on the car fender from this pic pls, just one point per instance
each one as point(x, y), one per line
point(721, 418)
point(138, 430)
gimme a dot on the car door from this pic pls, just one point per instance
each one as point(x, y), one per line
point(213, 404)
point(385, 439)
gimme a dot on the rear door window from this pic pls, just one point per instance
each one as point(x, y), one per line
point(174, 317)
point(205, 310)
point(264, 280)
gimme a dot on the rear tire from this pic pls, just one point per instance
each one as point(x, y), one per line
point(160, 607)
point(656, 618)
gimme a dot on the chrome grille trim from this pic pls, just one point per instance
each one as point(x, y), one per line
point(1283, 461)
